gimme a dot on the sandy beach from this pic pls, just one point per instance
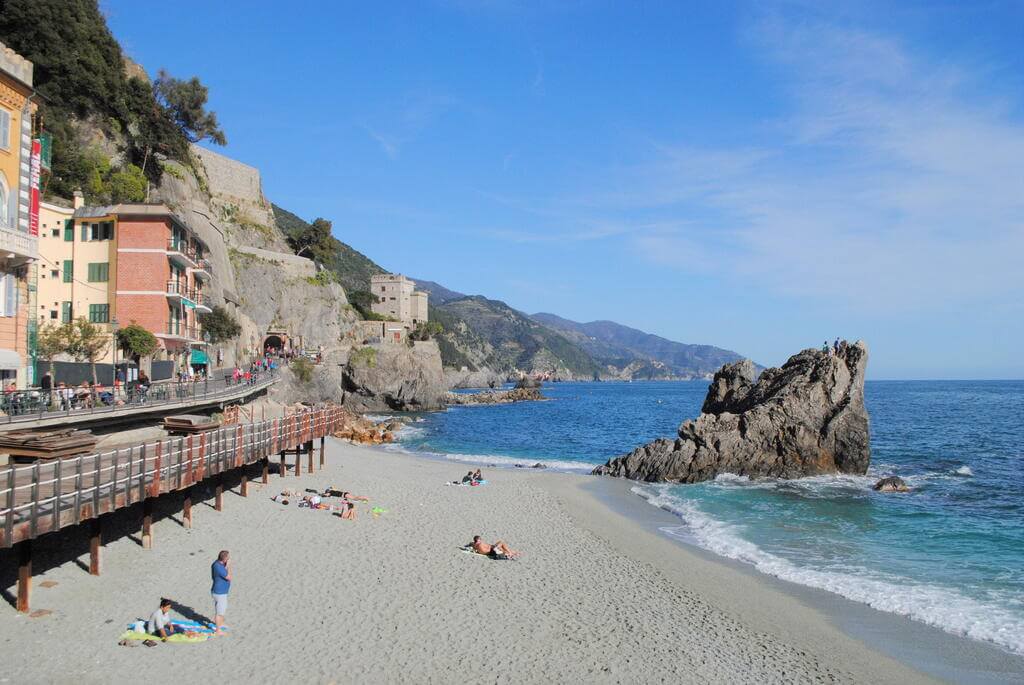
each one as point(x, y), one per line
point(594, 598)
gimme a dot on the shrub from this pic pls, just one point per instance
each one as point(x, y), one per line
point(220, 325)
point(364, 356)
point(302, 368)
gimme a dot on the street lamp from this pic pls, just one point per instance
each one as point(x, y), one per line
point(206, 376)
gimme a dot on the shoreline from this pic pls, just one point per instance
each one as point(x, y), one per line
point(598, 596)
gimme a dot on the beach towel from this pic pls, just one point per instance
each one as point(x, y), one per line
point(177, 637)
point(191, 626)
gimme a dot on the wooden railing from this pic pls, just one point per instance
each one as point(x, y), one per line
point(46, 496)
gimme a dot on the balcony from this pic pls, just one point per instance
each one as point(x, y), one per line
point(202, 269)
point(176, 291)
point(22, 246)
point(179, 252)
point(178, 330)
point(204, 303)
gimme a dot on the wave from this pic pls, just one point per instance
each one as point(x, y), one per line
point(496, 461)
point(931, 604)
point(964, 471)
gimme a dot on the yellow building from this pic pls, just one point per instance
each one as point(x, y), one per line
point(18, 248)
point(76, 273)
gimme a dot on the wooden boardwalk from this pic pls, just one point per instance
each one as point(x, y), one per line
point(45, 497)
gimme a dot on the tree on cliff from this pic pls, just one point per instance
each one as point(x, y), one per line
point(220, 325)
point(185, 102)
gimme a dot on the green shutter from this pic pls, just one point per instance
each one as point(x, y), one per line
point(65, 312)
point(69, 270)
point(99, 313)
point(99, 272)
point(69, 231)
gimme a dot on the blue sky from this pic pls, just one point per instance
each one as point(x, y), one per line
point(749, 175)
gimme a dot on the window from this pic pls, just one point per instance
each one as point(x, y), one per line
point(54, 273)
point(99, 272)
point(103, 230)
point(5, 129)
point(65, 312)
point(55, 233)
point(69, 270)
point(53, 313)
point(9, 301)
point(69, 230)
point(99, 313)
point(5, 207)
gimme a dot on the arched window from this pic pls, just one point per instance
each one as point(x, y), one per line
point(5, 202)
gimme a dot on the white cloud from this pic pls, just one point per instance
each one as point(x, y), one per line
point(892, 184)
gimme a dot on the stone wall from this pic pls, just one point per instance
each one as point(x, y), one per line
point(234, 184)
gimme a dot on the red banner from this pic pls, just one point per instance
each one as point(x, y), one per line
point(33, 208)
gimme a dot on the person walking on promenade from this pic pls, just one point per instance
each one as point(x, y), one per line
point(221, 573)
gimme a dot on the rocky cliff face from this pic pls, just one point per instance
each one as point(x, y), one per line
point(804, 419)
point(394, 378)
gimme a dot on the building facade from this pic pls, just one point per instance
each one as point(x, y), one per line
point(125, 264)
point(18, 245)
point(398, 299)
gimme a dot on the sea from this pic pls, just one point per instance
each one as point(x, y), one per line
point(949, 554)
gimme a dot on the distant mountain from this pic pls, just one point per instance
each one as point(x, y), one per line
point(638, 354)
point(488, 334)
point(438, 293)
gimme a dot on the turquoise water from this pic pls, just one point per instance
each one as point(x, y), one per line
point(950, 554)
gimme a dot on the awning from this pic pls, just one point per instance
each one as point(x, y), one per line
point(199, 357)
point(9, 359)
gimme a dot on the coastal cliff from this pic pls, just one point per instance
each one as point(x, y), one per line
point(394, 378)
point(803, 419)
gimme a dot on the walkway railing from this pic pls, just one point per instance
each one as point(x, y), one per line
point(25, 406)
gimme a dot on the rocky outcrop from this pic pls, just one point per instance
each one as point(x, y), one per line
point(527, 382)
point(803, 419)
point(391, 377)
point(490, 397)
point(464, 378)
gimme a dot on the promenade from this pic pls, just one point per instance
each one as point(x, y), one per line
point(45, 497)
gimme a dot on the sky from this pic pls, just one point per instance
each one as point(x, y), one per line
point(757, 176)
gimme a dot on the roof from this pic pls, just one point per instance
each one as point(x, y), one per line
point(155, 210)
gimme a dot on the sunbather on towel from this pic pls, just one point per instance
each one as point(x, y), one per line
point(468, 479)
point(348, 511)
point(499, 550)
point(160, 622)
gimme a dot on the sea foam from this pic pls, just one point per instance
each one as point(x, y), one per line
point(937, 606)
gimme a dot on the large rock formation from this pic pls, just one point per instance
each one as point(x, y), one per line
point(803, 419)
point(394, 378)
point(494, 397)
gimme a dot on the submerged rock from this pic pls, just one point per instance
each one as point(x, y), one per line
point(803, 419)
point(892, 484)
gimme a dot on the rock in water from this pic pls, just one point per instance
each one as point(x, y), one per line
point(803, 419)
point(892, 484)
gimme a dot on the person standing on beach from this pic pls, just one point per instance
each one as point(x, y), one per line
point(221, 572)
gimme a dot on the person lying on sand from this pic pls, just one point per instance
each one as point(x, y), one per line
point(496, 551)
point(344, 494)
point(159, 624)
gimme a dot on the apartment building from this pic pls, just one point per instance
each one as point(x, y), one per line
point(124, 264)
point(18, 242)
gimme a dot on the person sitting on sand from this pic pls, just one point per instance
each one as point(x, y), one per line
point(499, 550)
point(159, 624)
point(478, 476)
point(348, 511)
point(468, 479)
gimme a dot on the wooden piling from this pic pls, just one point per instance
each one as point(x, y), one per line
point(309, 456)
point(147, 523)
point(282, 464)
point(218, 493)
point(322, 459)
point(266, 470)
point(186, 510)
point(24, 575)
point(298, 461)
point(95, 544)
point(244, 487)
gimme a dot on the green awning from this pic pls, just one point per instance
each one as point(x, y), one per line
point(199, 357)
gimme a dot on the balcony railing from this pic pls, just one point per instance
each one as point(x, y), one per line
point(182, 249)
point(195, 295)
point(24, 246)
point(178, 329)
point(203, 268)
